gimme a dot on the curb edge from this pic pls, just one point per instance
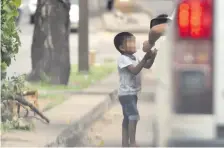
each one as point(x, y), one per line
point(74, 133)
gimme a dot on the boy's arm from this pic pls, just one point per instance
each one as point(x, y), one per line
point(150, 62)
point(136, 69)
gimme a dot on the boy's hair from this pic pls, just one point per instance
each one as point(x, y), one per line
point(120, 38)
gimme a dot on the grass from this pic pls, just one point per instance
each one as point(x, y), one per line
point(52, 100)
point(47, 102)
point(79, 81)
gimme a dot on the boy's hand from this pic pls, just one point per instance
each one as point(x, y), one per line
point(151, 54)
point(146, 46)
point(148, 55)
point(154, 52)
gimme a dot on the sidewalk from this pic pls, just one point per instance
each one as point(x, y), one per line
point(71, 118)
point(106, 132)
point(140, 24)
point(68, 120)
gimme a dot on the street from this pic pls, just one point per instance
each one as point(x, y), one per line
point(99, 40)
point(107, 131)
point(157, 7)
point(22, 64)
point(171, 88)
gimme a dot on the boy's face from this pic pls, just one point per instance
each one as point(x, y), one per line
point(129, 45)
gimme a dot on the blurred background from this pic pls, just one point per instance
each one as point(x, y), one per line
point(102, 25)
point(178, 91)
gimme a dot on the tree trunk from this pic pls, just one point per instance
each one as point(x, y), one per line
point(50, 47)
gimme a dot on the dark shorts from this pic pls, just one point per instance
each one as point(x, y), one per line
point(129, 107)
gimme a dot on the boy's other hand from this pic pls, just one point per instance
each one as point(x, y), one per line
point(146, 46)
point(154, 52)
point(148, 55)
point(151, 54)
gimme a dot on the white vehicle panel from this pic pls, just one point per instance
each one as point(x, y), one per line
point(218, 62)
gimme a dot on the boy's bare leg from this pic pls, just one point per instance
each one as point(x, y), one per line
point(131, 116)
point(125, 137)
point(132, 132)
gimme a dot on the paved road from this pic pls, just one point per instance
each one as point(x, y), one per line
point(107, 131)
point(98, 39)
point(23, 59)
point(158, 6)
point(22, 64)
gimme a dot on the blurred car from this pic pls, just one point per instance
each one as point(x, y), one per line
point(32, 6)
point(190, 90)
point(74, 12)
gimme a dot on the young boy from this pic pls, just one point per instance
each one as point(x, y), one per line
point(129, 68)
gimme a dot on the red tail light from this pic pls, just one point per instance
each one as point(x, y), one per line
point(193, 57)
point(194, 19)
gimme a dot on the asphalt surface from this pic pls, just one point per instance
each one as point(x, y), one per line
point(99, 40)
point(22, 62)
point(107, 131)
point(157, 7)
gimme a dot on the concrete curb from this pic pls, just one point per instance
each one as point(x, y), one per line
point(74, 133)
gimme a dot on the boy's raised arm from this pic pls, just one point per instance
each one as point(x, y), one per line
point(150, 62)
point(136, 69)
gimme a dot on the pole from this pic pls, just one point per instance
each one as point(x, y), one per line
point(83, 58)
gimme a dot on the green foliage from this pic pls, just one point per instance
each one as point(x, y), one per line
point(10, 41)
point(12, 87)
point(78, 81)
point(17, 123)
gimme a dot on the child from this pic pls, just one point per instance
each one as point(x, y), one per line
point(129, 68)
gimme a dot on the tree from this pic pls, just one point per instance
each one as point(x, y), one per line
point(12, 90)
point(50, 47)
point(10, 41)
